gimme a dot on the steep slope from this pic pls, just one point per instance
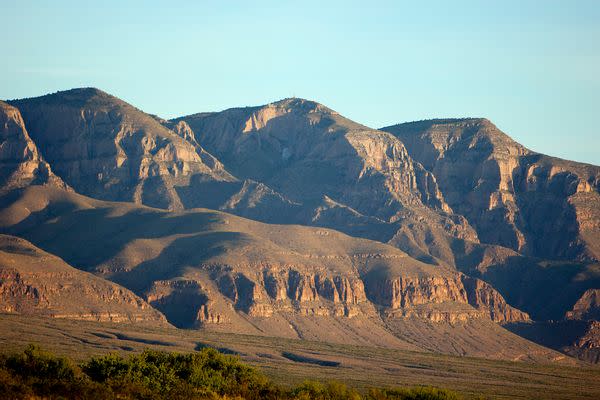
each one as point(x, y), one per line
point(20, 160)
point(587, 307)
point(106, 148)
point(537, 205)
point(341, 174)
point(577, 338)
point(209, 269)
point(33, 282)
point(545, 289)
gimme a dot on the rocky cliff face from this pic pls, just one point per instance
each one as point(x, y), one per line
point(535, 204)
point(105, 148)
point(407, 292)
point(20, 161)
point(305, 150)
point(314, 294)
point(33, 282)
point(587, 307)
point(282, 290)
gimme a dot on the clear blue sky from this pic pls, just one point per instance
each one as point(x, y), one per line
point(532, 67)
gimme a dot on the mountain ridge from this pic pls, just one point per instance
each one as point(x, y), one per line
point(452, 194)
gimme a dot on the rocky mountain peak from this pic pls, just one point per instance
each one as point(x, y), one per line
point(106, 148)
point(73, 97)
point(300, 105)
point(501, 187)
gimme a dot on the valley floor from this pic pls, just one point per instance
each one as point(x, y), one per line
point(291, 361)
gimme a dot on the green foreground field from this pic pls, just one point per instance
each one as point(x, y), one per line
point(289, 362)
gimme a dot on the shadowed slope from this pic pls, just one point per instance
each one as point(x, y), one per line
point(209, 269)
point(33, 282)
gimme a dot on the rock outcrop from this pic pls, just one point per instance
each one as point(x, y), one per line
point(407, 293)
point(587, 307)
point(105, 148)
point(33, 282)
point(20, 161)
point(537, 205)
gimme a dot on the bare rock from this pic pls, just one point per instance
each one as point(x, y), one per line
point(537, 205)
point(20, 161)
point(105, 148)
point(587, 307)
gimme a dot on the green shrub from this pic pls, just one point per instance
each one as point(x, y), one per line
point(317, 391)
point(38, 372)
point(418, 393)
point(39, 364)
point(202, 373)
point(155, 375)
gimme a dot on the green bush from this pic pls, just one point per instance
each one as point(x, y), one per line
point(155, 375)
point(418, 393)
point(311, 390)
point(38, 372)
point(202, 373)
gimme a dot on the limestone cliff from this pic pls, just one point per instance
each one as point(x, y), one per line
point(105, 148)
point(587, 307)
point(535, 204)
point(306, 292)
point(20, 161)
point(408, 293)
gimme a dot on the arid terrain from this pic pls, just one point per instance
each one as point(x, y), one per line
point(436, 251)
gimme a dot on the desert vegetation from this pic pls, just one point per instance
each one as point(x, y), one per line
point(206, 374)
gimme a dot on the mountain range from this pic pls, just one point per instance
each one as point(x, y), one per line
point(291, 220)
